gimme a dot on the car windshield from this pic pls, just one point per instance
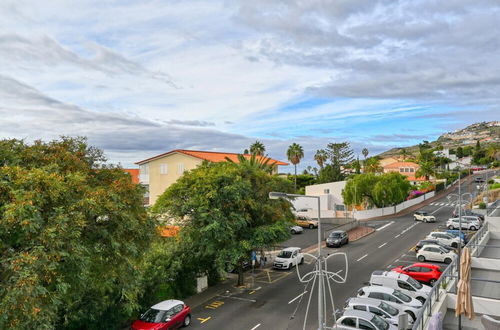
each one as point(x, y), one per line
point(335, 235)
point(388, 308)
point(414, 283)
point(424, 213)
point(285, 254)
point(380, 323)
point(153, 316)
point(402, 296)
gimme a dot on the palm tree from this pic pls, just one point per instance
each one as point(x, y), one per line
point(295, 153)
point(257, 148)
point(260, 163)
point(426, 170)
point(372, 165)
point(321, 157)
point(365, 152)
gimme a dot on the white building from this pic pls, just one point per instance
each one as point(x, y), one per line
point(331, 201)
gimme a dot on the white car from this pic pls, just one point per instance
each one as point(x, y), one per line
point(289, 257)
point(378, 307)
point(392, 297)
point(423, 216)
point(445, 238)
point(468, 224)
point(402, 282)
point(296, 230)
point(353, 319)
point(432, 252)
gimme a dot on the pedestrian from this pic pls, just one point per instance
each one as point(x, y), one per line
point(263, 259)
point(254, 258)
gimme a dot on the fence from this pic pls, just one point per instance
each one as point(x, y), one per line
point(372, 213)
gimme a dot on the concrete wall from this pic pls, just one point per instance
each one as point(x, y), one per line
point(334, 188)
point(378, 212)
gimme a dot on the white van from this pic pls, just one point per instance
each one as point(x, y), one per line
point(402, 282)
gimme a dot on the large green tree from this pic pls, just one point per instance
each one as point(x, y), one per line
point(226, 213)
point(257, 148)
point(340, 156)
point(426, 169)
point(72, 231)
point(294, 154)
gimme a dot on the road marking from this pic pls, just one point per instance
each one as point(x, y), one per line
point(203, 320)
point(384, 226)
point(439, 208)
point(238, 298)
point(397, 235)
point(252, 292)
point(257, 289)
point(258, 325)
point(362, 257)
point(390, 266)
point(215, 304)
point(300, 295)
point(382, 245)
point(404, 231)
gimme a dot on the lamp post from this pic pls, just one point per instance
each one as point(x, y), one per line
point(277, 195)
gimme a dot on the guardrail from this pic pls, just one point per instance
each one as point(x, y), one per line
point(445, 281)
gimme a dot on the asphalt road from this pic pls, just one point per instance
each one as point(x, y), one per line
point(278, 300)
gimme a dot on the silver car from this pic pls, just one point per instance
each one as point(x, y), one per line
point(296, 230)
point(381, 308)
point(353, 319)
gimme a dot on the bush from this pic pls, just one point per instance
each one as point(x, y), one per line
point(439, 186)
point(495, 186)
point(482, 205)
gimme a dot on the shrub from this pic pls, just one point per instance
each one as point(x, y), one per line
point(482, 205)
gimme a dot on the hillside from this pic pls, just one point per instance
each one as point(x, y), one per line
point(485, 132)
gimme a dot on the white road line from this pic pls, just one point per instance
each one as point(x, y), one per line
point(300, 295)
point(386, 225)
point(404, 231)
point(439, 208)
point(362, 257)
point(382, 245)
point(257, 289)
point(397, 235)
point(258, 325)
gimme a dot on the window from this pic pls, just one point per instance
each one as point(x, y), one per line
point(413, 269)
point(326, 191)
point(412, 170)
point(144, 169)
point(339, 207)
point(407, 170)
point(406, 286)
point(163, 168)
point(180, 168)
point(425, 269)
point(377, 311)
point(401, 170)
point(388, 297)
point(177, 309)
point(360, 307)
point(348, 321)
point(365, 325)
point(376, 295)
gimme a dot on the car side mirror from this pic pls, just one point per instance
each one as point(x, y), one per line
point(168, 319)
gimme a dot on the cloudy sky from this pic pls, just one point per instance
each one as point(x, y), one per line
point(140, 78)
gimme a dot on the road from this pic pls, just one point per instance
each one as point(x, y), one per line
point(278, 300)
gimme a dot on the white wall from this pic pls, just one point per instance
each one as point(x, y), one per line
point(334, 188)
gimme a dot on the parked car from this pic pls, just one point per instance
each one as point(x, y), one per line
point(168, 314)
point(431, 241)
point(445, 238)
point(306, 222)
point(296, 230)
point(467, 224)
point(289, 257)
point(378, 307)
point(353, 319)
point(337, 238)
point(457, 233)
point(435, 253)
point(479, 179)
point(423, 216)
point(467, 212)
point(423, 272)
point(401, 282)
point(392, 296)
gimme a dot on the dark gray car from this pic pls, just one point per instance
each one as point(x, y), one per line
point(337, 238)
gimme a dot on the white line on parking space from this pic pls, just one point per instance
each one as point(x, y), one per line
point(385, 226)
point(382, 245)
point(300, 295)
point(397, 235)
point(362, 257)
point(258, 325)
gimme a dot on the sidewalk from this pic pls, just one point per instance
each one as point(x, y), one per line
point(222, 288)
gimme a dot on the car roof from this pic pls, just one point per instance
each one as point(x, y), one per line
point(378, 288)
point(423, 264)
point(364, 301)
point(432, 245)
point(357, 313)
point(167, 304)
point(337, 232)
point(390, 274)
point(291, 249)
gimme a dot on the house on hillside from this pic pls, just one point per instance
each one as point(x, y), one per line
point(134, 173)
point(331, 200)
point(407, 169)
point(159, 172)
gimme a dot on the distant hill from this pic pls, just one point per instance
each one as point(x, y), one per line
point(485, 132)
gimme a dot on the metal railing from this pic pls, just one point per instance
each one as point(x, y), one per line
point(445, 281)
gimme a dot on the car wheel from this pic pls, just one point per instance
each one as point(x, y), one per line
point(447, 261)
point(421, 258)
point(289, 266)
point(301, 261)
point(454, 245)
point(293, 231)
point(472, 228)
point(421, 299)
point(411, 315)
point(187, 321)
point(311, 226)
point(432, 281)
point(347, 241)
point(415, 218)
point(450, 227)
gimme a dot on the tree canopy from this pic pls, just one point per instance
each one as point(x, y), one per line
point(226, 213)
point(71, 231)
point(257, 148)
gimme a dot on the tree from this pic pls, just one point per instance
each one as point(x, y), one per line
point(340, 154)
point(321, 157)
point(72, 231)
point(426, 170)
point(295, 153)
point(257, 148)
point(364, 152)
point(372, 165)
point(226, 213)
point(404, 153)
point(359, 189)
point(260, 163)
point(460, 152)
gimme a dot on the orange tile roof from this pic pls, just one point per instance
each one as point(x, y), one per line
point(401, 164)
point(211, 156)
point(134, 173)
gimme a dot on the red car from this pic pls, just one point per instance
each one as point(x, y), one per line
point(422, 272)
point(168, 314)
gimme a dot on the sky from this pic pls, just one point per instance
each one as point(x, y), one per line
point(139, 78)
